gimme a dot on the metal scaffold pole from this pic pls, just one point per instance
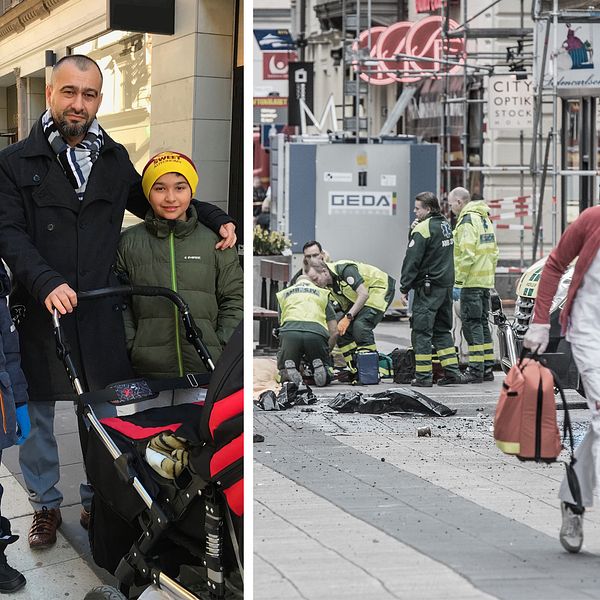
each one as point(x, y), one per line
point(357, 75)
point(368, 111)
point(554, 122)
point(444, 134)
point(465, 132)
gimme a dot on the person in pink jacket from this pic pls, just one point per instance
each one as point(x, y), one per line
point(579, 320)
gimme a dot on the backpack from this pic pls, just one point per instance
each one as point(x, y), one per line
point(525, 424)
point(403, 363)
point(386, 366)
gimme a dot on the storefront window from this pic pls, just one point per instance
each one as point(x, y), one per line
point(571, 154)
point(125, 60)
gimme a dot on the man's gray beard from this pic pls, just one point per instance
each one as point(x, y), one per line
point(72, 131)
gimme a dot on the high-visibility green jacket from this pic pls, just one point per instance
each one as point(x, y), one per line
point(347, 275)
point(429, 252)
point(475, 247)
point(305, 306)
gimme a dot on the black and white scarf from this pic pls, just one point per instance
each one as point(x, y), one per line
point(76, 161)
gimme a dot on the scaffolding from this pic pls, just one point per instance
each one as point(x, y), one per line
point(545, 167)
point(498, 63)
point(476, 66)
point(547, 16)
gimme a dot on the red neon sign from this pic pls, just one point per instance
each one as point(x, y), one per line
point(422, 39)
point(427, 5)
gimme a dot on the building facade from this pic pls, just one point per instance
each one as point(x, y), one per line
point(482, 150)
point(178, 91)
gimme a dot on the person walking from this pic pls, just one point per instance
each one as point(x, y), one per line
point(475, 259)
point(428, 269)
point(579, 317)
point(64, 190)
point(308, 330)
point(363, 293)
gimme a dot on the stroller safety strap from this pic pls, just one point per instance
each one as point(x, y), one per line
point(136, 390)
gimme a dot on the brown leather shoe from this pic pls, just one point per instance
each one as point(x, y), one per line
point(84, 519)
point(42, 533)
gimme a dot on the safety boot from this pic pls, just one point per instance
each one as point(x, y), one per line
point(421, 383)
point(457, 379)
point(319, 373)
point(488, 375)
point(291, 373)
point(472, 376)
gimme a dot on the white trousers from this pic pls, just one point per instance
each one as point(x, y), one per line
point(586, 351)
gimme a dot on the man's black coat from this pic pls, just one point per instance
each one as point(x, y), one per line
point(48, 237)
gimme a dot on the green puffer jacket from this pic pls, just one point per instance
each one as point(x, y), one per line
point(179, 255)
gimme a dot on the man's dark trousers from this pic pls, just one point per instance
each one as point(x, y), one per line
point(293, 345)
point(474, 308)
point(431, 323)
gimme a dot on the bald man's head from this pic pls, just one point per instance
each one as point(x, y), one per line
point(74, 95)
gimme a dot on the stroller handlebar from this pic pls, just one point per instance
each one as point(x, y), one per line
point(135, 290)
point(192, 332)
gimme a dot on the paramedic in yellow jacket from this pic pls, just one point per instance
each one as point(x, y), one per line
point(475, 259)
point(307, 330)
point(363, 292)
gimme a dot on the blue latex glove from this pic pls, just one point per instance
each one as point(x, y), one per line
point(23, 423)
point(456, 294)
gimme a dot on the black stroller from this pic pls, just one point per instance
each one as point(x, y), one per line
point(182, 535)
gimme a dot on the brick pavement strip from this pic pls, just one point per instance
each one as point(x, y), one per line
point(452, 498)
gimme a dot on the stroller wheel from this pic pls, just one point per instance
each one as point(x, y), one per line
point(104, 592)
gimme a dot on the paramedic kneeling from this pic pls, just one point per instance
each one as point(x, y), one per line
point(580, 312)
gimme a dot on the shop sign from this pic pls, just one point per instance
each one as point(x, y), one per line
point(362, 202)
point(422, 39)
point(274, 39)
point(275, 64)
point(301, 88)
point(510, 102)
point(270, 110)
point(576, 56)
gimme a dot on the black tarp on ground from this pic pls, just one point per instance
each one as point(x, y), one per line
point(395, 400)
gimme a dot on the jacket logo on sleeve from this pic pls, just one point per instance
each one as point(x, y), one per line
point(486, 238)
point(192, 257)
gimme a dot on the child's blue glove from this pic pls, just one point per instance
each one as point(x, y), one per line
point(456, 294)
point(23, 423)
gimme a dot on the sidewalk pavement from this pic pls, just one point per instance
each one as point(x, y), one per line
point(66, 570)
point(357, 506)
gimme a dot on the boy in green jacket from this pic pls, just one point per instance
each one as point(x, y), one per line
point(172, 249)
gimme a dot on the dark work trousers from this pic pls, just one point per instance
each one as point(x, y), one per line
point(294, 345)
point(359, 335)
point(474, 308)
point(431, 323)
